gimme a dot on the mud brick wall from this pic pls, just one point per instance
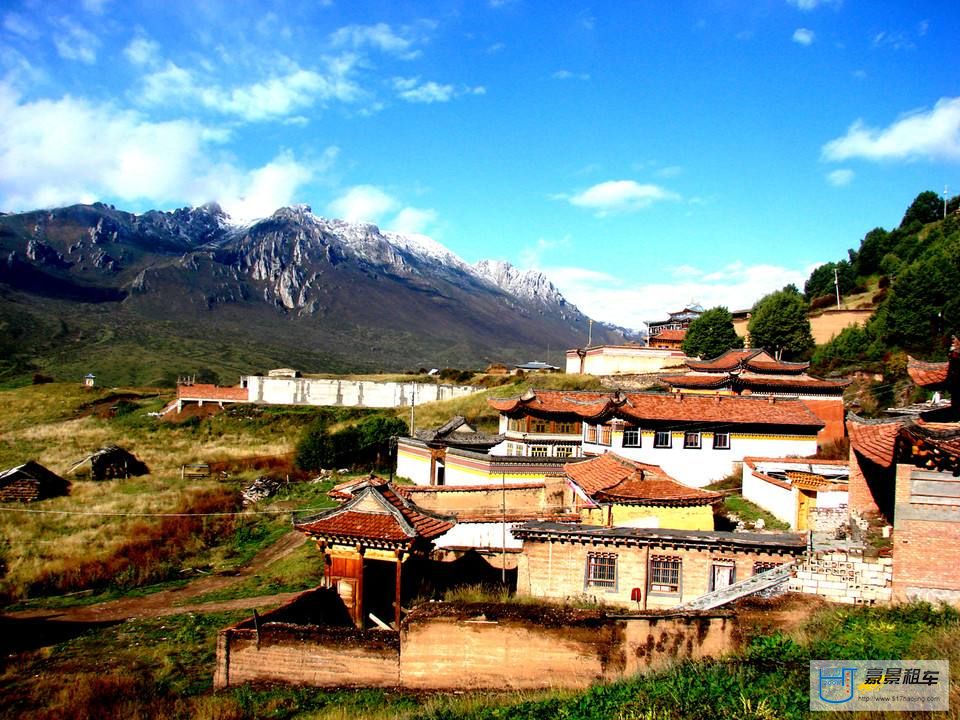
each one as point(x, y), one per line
point(451, 654)
point(291, 655)
point(845, 577)
point(21, 489)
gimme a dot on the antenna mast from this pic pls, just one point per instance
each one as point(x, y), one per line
point(836, 285)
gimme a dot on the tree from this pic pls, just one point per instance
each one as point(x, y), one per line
point(821, 280)
point(780, 325)
point(711, 334)
point(927, 207)
point(365, 444)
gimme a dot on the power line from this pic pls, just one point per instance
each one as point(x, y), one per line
point(90, 513)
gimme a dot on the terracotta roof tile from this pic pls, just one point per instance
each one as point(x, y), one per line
point(876, 442)
point(730, 360)
point(775, 366)
point(378, 515)
point(709, 382)
point(612, 478)
point(675, 335)
point(670, 407)
point(928, 375)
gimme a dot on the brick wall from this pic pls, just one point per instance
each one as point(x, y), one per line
point(926, 542)
point(845, 576)
point(861, 498)
point(21, 489)
point(558, 570)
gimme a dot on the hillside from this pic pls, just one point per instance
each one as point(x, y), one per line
point(139, 299)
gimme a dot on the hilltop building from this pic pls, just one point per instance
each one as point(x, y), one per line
point(756, 372)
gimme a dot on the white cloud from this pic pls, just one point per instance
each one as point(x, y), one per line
point(803, 36)
point(532, 256)
point(57, 152)
point(363, 203)
point(270, 99)
point(895, 41)
point(568, 75)
point(75, 42)
point(841, 177)
point(142, 51)
point(617, 196)
point(808, 5)
point(931, 134)
point(605, 297)
point(413, 220)
point(96, 7)
point(380, 36)
point(19, 25)
point(412, 90)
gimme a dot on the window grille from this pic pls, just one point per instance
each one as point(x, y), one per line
point(601, 570)
point(664, 574)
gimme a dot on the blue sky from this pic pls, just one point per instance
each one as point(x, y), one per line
point(641, 154)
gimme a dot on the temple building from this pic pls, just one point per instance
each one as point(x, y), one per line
point(695, 438)
point(679, 320)
point(368, 542)
point(756, 372)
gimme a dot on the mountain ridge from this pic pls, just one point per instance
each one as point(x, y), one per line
point(346, 294)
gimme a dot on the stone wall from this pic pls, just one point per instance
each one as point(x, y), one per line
point(347, 393)
point(845, 576)
point(828, 519)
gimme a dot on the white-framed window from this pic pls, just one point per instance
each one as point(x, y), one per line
point(665, 573)
point(691, 440)
point(663, 439)
point(721, 441)
point(601, 571)
point(538, 451)
point(606, 434)
point(631, 437)
point(591, 434)
point(563, 451)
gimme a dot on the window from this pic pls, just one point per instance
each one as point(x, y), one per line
point(601, 570)
point(691, 440)
point(567, 428)
point(606, 432)
point(663, 439)
point(721, 441)
point(538, 451)
point(631, 437)
point(664, 574)
point(563, 451)
point(591, 434)
point(538, 425)
point(723, 573)
point(513, 424)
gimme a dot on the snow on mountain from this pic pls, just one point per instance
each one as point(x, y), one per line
point(528, 284)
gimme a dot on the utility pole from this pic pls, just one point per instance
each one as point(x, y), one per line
point(590, 334)
point(836, 285)
point(413, 404)
point(945, 196)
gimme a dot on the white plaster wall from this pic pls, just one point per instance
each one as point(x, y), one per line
point(629, 361)
point(413, 467)
point(779, 502)
point(348, 393)
point(702, 466)
point(832, 499)
point(486, 535)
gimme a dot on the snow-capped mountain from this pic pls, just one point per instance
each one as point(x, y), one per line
point(345, 292)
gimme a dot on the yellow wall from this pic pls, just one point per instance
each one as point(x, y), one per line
point(697, 517)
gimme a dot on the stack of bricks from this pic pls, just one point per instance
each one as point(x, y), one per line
point(828, 519)
point(845, 576)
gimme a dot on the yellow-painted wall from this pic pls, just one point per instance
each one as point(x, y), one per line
point(697, 517)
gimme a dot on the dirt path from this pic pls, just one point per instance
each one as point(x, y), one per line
point(175, 601)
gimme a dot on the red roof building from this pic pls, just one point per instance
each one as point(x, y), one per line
point(367, 541)
point(756, 372)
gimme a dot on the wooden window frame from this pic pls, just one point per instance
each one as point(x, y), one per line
point(601, 572)
point(695, 436)
point(665, 575)
point(660, 433)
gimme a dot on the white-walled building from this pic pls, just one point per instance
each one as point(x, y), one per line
point(805, 494)
point(621, 360)
point(696, 439)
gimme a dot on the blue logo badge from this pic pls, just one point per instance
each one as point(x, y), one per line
point(836, 684)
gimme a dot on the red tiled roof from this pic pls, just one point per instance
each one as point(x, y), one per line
point(876, 442)
point(675, 335)
point(610, 477)
point(664, 407)
point(376, 515)
point(802, 381)
point(708, 382)
point(776, 366)
point(212, 392)
point(928, 375)
point(730, 360)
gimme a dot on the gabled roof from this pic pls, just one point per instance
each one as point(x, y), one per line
point(669, 407)
point(928, 375)
point(730, 360)
point(34, 471)
point(612, 478)
point(457, 432)
point(674, 335)
point(875, 441)
point(376, 516)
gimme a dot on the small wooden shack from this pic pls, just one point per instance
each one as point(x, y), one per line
point(30, 482)
point(109, 463)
